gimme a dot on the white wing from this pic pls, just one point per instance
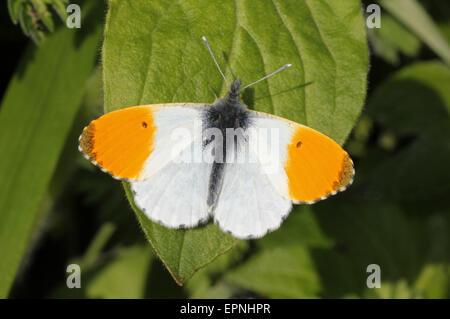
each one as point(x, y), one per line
point(268, 143)
point(175, 196)
point(254, 197)
point(174, 189)
point(249, 206)
point(177, 127)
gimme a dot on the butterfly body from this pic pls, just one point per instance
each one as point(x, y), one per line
point(226, 113)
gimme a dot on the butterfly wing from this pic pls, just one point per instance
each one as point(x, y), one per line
point(176, 195)
point(249, 205)
point(290, 163)
point(136, 142)
point(154, 148)
point(308, 166)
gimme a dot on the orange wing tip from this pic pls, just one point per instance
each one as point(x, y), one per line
point(346, 177)
point(316, 166)
point(86, 141)
point(86, 146)
point(120, 142)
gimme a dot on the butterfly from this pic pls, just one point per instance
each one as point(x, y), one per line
point(188, 162)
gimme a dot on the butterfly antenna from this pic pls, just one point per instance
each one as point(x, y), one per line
point(212, 55)
point(269, 75)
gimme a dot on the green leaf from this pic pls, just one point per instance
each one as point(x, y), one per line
point(414, 17)
point(36, 115)
point(60, 8)
point(124, 277)
point(25, 20)
point(97, 244)
point(393, 38)
point(279, 272)
point(153, 53)
point(422, 175)
point(384, 236)
point(300, 227)
point(411, 251)
point(44, 15)
point(415, 100)
point(118, 274)
point(434, 282)
point(183, 252)
point(210, 282)
point(14, 7)
point(35, 16)
point(283, 264)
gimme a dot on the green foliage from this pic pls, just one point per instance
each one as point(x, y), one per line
point(392, 39)
point(37, 112)
point(123, 277)
point(281, 272)
point(183, 252)
point(57, 209)
point(416, 19)
point(416, 100)
point(165, 62)
point(35, 16)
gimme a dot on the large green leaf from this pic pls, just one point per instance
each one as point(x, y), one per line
point(36, 115)
point(153, 53)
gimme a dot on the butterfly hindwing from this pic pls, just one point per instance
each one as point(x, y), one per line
point(249, 206)
point(175, 196)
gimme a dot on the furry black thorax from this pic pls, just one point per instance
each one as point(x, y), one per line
point(228, 112)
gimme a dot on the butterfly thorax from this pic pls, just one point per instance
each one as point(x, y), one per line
point(228, 112)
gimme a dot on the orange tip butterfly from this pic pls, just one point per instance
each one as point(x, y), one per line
point(188, 162)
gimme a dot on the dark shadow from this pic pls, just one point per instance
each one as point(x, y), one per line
point(27, 57)
point(226, 57)
point(91, 21)
point(160, 284)
point(408, 107)
point(14, 48)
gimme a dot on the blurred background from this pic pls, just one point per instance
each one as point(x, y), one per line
point(396, 214)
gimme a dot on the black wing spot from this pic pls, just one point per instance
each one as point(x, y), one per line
point(299, 144)
point(144, 124)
